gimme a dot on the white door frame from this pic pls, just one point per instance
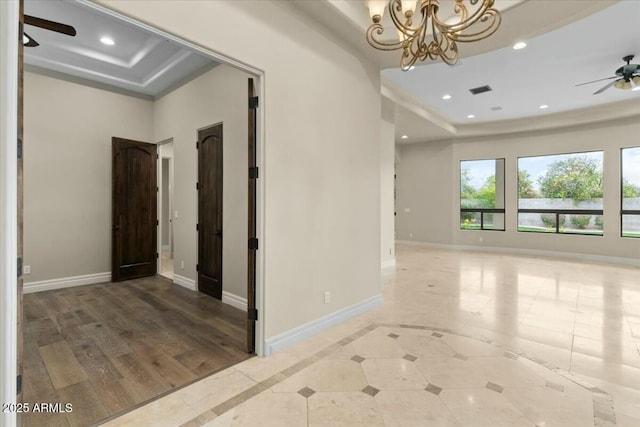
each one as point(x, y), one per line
point(160, 199)
point(9, 15)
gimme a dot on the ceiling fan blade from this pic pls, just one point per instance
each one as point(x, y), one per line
point(599, 80)
point(607, 86)
point(31, 42)
point(50, 25)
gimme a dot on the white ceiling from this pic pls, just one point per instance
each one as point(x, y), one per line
point(140, 62)
point(544, 73)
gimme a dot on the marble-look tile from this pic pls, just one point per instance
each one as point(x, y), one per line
point(470, 346)
point(627, 376)
point(451, 373)
point(168, 411)
point(378, 346)
point(393, 374)
point(272, 410)
point(548, 407)
point(212, 391)
point(261, 368)
point(506, 372)
point(482, 407)
point(414, 408)
point(425, 347)
point(343, 409)
point(627, 421)
point(326, 375)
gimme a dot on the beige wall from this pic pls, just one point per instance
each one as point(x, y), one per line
point(425, 193)
point(387, 170)
point(67, 173)
point(421, 161)
point(322, 152)
point(220, 95)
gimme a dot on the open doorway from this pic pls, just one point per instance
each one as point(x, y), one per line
point(105, 334)
point(165, 206)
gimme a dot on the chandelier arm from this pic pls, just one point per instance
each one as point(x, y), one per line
point(438, 40)
point(466, 21)
point(496, 20)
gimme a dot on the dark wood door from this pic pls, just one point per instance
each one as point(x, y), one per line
point(134, 190)
point(210, 211)
point(251, 258)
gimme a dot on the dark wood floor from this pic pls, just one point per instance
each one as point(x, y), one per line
point(106, 348)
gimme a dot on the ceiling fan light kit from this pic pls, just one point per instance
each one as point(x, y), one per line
point(423, 32)
point(627, 77)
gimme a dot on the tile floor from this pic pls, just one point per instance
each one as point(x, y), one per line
point(463, 339)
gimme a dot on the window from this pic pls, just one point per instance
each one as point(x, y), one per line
point(631, 192)
point(561, 193)
point(482, 194)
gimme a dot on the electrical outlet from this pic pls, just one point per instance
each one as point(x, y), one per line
point(182, 265)
point(480, 239)
point(410, 234)
point(327, 297)
point(26, 269)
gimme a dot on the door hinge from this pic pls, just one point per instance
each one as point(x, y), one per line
point(197, 267)
point(253, 172)
point(157, 189)
point(253, 313)
point(253, 102)
point(157, 156)
point(253, 243)
point(157, 222)
point(19, 384)
point(197, 185)
point(197, 145)
point(157, 255)
point(19, 267)
point(197, 227)
point(19, 148)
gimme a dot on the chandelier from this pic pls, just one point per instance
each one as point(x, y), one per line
point(423, 34)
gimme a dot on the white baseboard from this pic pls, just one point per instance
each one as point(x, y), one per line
point(388, 264)
point(185, 282)
point(234, 300)
point(530, 252)
point(66, 282)
point(302, 332)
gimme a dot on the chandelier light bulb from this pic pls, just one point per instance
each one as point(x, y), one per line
point(376, 9)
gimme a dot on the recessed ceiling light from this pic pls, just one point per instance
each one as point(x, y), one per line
point(519, 45)
point(107, 40)
point(404, 137)
point(471, 116)
point(544, 107)
point(446, 96)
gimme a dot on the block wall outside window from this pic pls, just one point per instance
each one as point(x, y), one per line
point(561, 193)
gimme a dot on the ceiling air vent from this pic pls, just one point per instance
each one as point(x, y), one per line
point(496, 108)
point(480, 89)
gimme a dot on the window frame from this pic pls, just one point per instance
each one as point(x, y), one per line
point(557, 212)
point(483, 211)
point(623, 211)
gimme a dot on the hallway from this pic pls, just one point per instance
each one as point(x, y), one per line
point(110, 347)
point(463, 339)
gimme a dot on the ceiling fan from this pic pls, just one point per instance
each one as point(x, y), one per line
point(29, 41)
point(627, 77)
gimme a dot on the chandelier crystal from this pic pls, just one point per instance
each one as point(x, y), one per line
point(424, 33)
